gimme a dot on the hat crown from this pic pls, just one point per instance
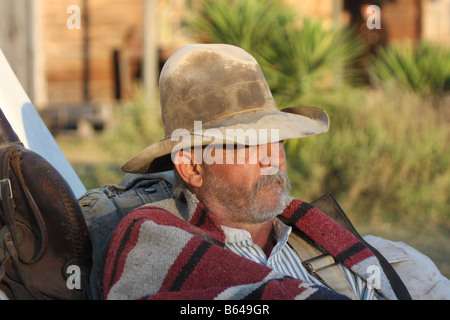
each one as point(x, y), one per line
point(223, 87)
point(208, 82)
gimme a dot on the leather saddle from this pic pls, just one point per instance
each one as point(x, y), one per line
point(45, 250)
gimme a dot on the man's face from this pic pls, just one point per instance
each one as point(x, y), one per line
point(244, 187)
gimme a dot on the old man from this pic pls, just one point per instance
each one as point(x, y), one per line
point(229, 229)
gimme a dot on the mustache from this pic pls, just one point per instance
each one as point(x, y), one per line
point(280, 178)
point(267, 180)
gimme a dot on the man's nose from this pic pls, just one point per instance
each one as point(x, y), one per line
point(272, 155)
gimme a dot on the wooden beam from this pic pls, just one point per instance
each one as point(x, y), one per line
point(150, 61)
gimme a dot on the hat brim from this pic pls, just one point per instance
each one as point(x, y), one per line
point(268, 125)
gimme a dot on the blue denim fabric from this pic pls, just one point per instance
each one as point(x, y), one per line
point(103, 208)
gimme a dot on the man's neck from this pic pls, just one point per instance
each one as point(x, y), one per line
point(261, 233)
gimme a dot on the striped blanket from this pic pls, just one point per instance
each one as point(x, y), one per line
point(175, 250)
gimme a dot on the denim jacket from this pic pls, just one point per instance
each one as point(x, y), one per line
point(103, 208)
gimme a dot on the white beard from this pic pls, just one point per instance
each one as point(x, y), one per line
point(254, 206)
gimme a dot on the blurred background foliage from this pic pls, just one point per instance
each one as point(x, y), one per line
point(424, 70)
point(386, 157)
point(296, 55)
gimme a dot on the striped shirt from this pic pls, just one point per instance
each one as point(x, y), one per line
point(283, 258)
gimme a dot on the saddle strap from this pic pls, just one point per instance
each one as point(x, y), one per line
point(11, 255)
point(11, 160)
point(321, 265)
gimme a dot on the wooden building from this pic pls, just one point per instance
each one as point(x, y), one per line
point(118, 41)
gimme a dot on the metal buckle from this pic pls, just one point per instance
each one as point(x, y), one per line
point(308, 264)
point(10, 196)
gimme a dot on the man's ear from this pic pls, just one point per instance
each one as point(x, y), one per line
point(189, 171)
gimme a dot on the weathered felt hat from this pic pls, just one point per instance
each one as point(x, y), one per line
point(217, 94)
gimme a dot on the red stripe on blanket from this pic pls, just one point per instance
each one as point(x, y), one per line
point(327, 233)
point(165, 218)
point(203, 219)
point(212, 267)
point(202, 294)
point(122, 242)
point(286, 289)
point(358, 257)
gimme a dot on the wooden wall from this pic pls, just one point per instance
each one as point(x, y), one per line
point(109, 22)
point(20, 35)
point(401, 20)
point(55, 70)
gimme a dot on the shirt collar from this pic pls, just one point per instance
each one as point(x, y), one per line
point(280, 232)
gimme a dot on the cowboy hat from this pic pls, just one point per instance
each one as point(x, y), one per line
point(217, 94)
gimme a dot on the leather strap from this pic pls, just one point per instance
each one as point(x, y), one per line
point(329, 205)
point(42, 228)
point(324, 267)
point(321, 265)
point(11, 160)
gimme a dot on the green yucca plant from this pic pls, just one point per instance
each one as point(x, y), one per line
point(424, 69)
point(295, 55)
point(309, 57)
point(239, 22)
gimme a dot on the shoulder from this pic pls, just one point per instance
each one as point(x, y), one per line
point(133, 221)
point(419, 273)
